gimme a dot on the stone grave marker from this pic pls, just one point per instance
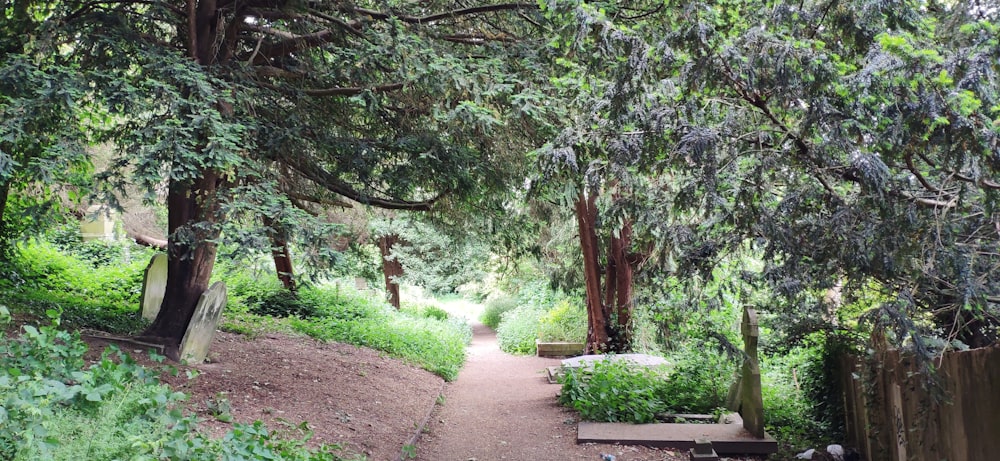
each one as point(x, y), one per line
point(154, 286)
point(587, 361)
point(201, 330)
point(752, 399)
point(97, 223)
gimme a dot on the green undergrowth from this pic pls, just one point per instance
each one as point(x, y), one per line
point(696, 381)
point(535, 313)
point(617, 391)
point(57, 407)
point(424, 335)
point(97, 286)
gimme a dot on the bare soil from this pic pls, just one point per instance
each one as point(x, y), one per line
point(501, 407)
point(357, 397)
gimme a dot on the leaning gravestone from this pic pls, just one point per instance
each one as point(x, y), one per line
point(201, 330)
point(752, 399)
point(154, 286)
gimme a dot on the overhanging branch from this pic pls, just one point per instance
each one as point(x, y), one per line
point(323, 178)
point(445, 15)
point(337, 91)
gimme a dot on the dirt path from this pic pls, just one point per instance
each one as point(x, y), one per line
point(501, 407)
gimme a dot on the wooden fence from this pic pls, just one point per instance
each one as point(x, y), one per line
point(890, 414)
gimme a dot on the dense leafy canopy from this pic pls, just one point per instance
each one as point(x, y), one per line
point(849, 145)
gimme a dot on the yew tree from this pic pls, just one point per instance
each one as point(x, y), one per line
point(596, 163)
point(854, 144)
point(239, 109)
point(848, 144)
point(42, 159)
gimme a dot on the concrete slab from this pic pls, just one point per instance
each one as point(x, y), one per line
point(637, 359)
point(727, 439)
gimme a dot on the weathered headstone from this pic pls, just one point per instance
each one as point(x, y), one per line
point(97, 223)
point(201, 330)
point(154, 286)
point(360, 283)
point(752, 400)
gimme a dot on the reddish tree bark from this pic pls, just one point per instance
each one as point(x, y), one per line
point(391, 267)
point(586, 217)
point(618, 290)
point(280, 254)
point(191, 254)
point(192, 207)
point(609, 317)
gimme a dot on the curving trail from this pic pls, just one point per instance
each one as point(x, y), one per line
point(501, 407)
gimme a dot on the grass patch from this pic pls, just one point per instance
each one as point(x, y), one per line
point(424, 335)
point(414, 335)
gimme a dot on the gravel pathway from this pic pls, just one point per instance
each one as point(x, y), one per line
point(502, 408)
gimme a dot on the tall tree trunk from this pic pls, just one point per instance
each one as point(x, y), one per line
point(4, 192)
point(609, 317)
point(191, 250)
point(280, 254)
point(619, 290)
point(391, 267)
point(192, 205)
point(597, 327)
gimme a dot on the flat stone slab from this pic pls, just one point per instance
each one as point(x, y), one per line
point(637, 359)
point(727, 439)
point(643, 360)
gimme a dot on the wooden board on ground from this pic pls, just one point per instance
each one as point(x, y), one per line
point(727, 439)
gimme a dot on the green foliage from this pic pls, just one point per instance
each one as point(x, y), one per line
point(613, 391)
point(566, 321)
point(434, 256)
point(55, 407)
point(42, 159)
point(495, 309)
point(699, 379)
point(281, 303)
point(518, 330)
point(104, 296)
point(430, 311)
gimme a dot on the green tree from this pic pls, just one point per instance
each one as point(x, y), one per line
point(848, 141)
point(235, 107)
point(42, 158)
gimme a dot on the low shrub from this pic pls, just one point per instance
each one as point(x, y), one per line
point(699, 379)
point(494, 310)
point(696, 382)
point(791, 412)
point(280, 303)
point(613, 391)
point(564, 322)
point(518, 330)
point(55, 407)
point(430, 311)
point(116, 285)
